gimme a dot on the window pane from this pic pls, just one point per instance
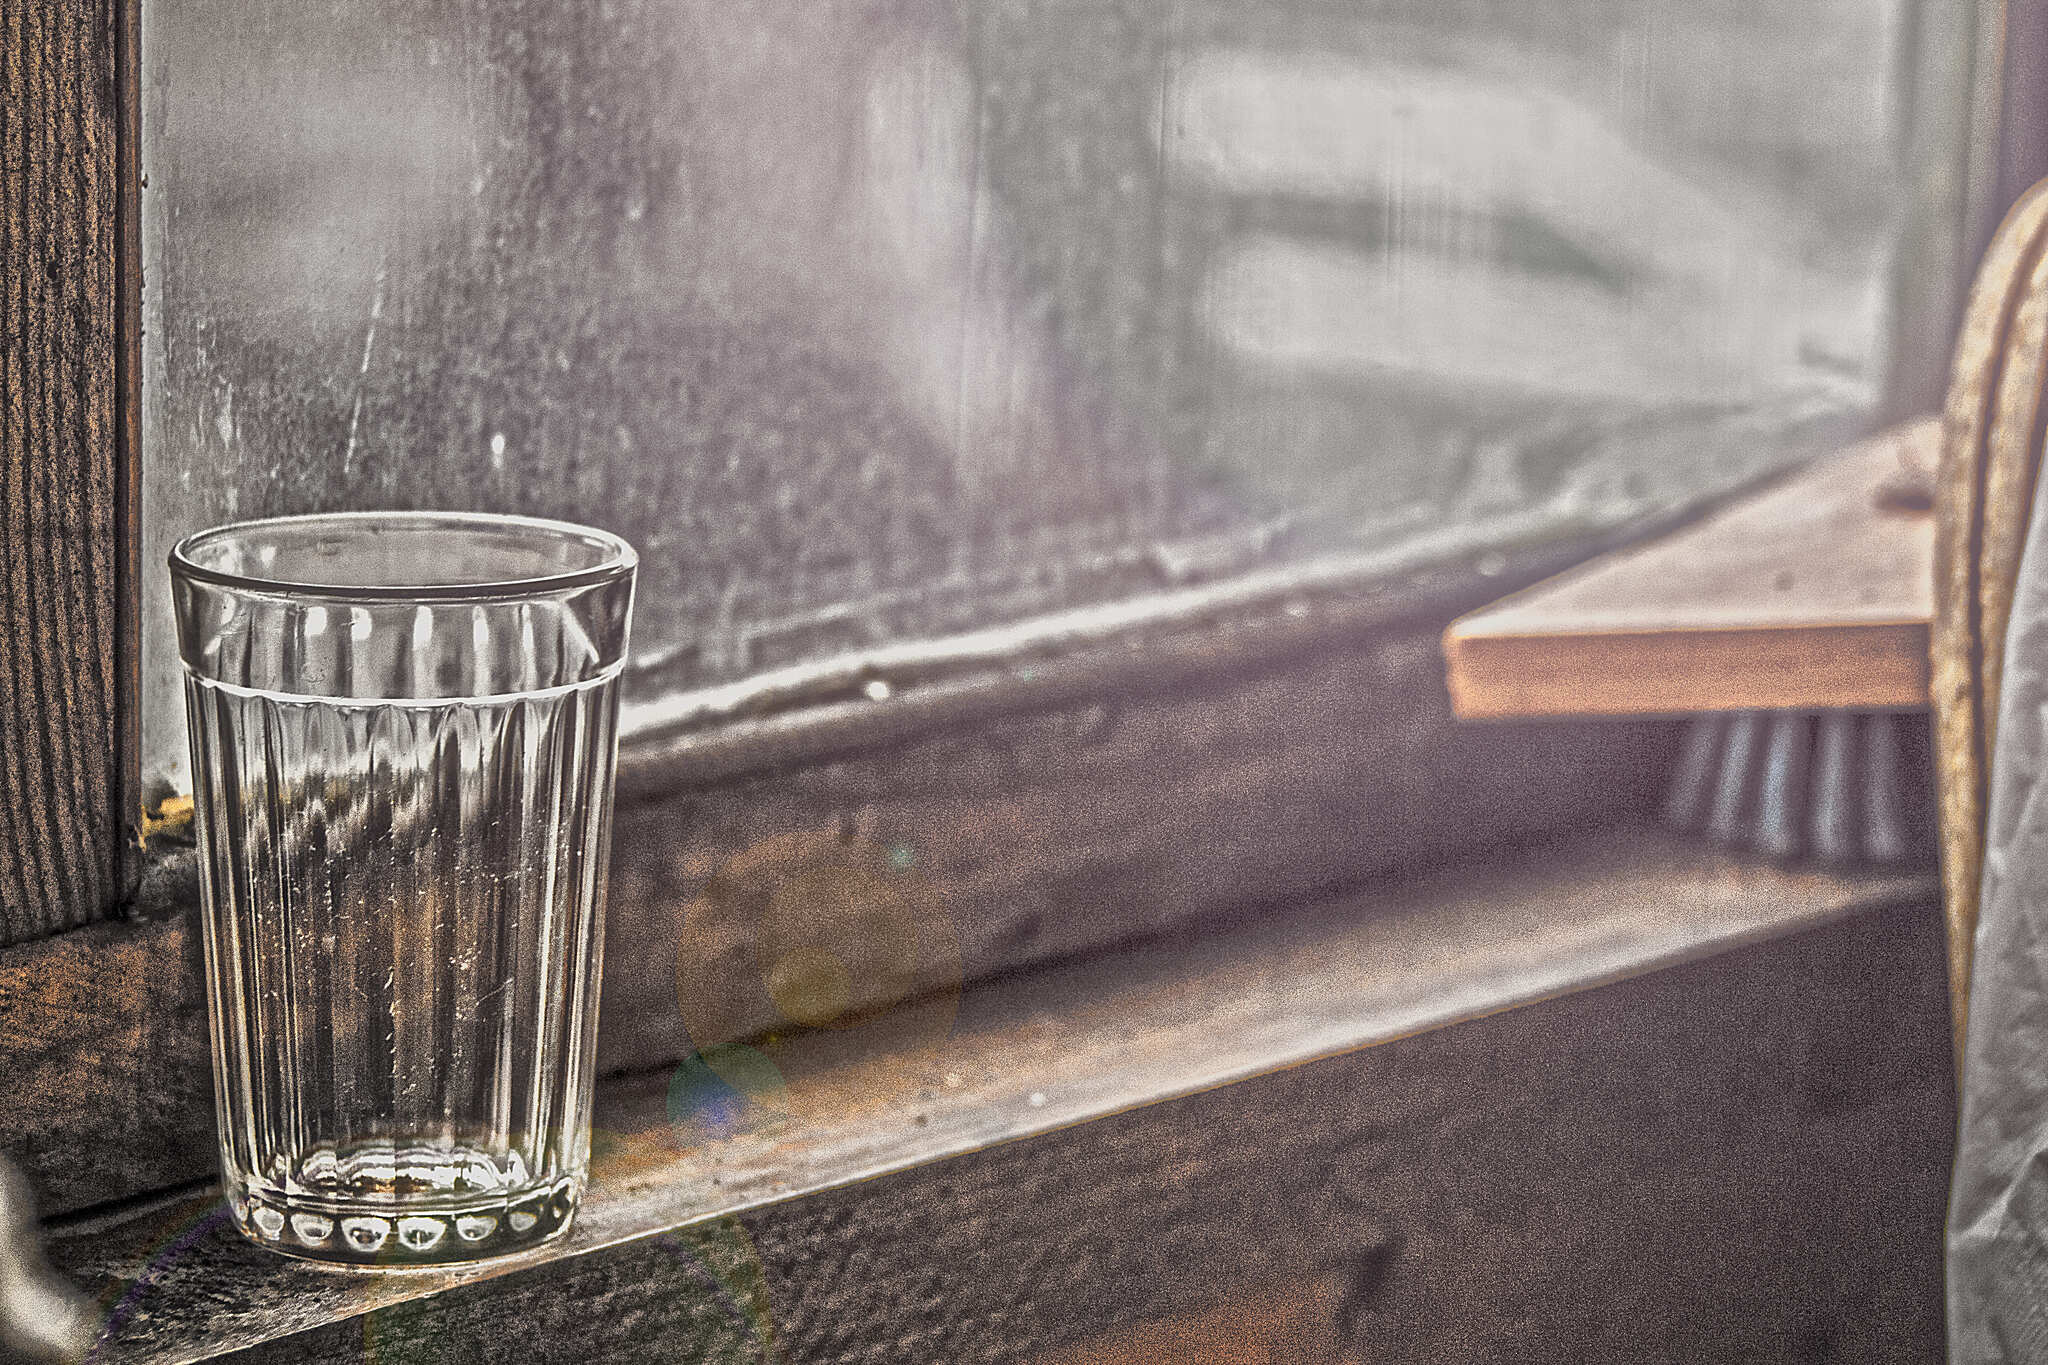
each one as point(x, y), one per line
point(873, 319)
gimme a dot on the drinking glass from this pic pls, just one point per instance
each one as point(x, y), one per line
point(403, 729)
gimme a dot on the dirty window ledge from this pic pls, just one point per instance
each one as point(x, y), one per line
point(1029, 1054)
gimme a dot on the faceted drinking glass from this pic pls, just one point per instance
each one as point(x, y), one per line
point(403, 731)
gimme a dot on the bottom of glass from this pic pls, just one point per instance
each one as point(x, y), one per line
point(395, 1228)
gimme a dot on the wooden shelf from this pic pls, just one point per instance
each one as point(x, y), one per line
point(1814, 593)
point(1021, 1059)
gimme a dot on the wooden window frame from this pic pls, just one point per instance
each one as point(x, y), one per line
point(70, 242)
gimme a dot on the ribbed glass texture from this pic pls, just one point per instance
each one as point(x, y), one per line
point(403, 730)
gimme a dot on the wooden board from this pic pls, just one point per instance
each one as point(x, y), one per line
point(1350, 1091)
point(1043, 834)
point(1814, 593)
point(1278, 760)
point(64, 464)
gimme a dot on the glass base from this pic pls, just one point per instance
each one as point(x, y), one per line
point(417, 1221)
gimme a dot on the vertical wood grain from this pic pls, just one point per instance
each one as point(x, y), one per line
point(64, 467)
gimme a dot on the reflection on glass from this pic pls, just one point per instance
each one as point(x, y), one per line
point(875, 318)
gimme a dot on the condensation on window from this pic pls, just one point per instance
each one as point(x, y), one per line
point(880, 319)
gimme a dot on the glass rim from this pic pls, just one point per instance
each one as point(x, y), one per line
point(619, 558)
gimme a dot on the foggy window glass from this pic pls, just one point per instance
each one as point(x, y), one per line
point(877, 319)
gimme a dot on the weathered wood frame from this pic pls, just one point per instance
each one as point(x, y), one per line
point(1091, 816)
point(70, 250)
point(1343, 1110)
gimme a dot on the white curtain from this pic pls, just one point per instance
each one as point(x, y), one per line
point(1998, 1209)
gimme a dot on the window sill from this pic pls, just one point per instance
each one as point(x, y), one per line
point(1025, 1056)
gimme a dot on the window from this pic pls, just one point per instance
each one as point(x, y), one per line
point(889, 329)
point(880, 321)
